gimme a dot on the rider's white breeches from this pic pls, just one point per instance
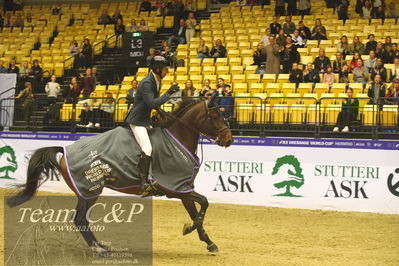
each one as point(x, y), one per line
point(141, 135)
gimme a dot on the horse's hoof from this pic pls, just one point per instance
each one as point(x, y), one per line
point(186, 229)
point(212, 248)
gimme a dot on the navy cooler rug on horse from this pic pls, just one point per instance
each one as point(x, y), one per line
point(110, 160)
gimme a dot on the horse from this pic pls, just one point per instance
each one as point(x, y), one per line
point(190, 120)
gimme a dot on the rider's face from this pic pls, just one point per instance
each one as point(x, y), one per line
point(164, 72)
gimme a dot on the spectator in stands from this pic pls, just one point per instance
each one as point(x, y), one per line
point(321, 62)
point(160, 6)
point(392, 11)
point(288, 26)
point(202, 50)
point(338, 63)
point(393, 53)
point(164, 43)
point(304, 7)
point(296, 75)
point(272, 57)
point(376, 91)
point(149, 58)
point(2, 68)
point(349, 113)
point(104, 19)
point(259, 55)
point(52, 89)
point(291, 7)
point(393, 92)
point(367, 10)
point(143, 26)
point(344, 74)
point(265, 38)
point(342, 10)
point(35, 75)
point(191, 6)
point(131, 93)
point(378, 9)
point(206, 87)
point(279, 9)
point(343, 46)
point(281, 38)
point(87, 84)
point(133, 26)
point(298, 40)
point(371, 61)
point(117, 15)
point(72, 92)
point(179, 10)
point(218, 51)
point(12, 68)
point(288, 55)
point(119, 27)
point(170, 58)
point(24, 71)
point(226, 103)
point(388, 44)
point(395, 70)
point(94, 75)
point(1, 22)
point(329, 77)
point(311, 75)
point(275, 27)
point(18, 22)
point(89, 117)
point(241, 2)
point(74, 49)
point(379, 69)
point(356, 46)
point(28, 101)
point(191, 22)
point(319, 31)
point(8, 20)
point(189, 90)
point(353, 63)
point(381, 53)
point(86, 54)
point(106, 111)
point(360, 73)
point(56, 9)
point(179, 34)
point(371, 44)
point(304, 31)
point(145, 6)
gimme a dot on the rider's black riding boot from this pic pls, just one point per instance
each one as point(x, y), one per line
point(144, 167)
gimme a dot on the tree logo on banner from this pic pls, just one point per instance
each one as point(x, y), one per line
point(294, 175)
point(8, 162)
point(393, 186)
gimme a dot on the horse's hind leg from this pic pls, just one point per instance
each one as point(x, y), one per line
point(203, 236)
point(83, 225)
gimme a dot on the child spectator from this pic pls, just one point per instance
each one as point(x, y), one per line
point(72, 92)
point(350, 111)
point(296, 75)
point(329, 77)
point(52, 89)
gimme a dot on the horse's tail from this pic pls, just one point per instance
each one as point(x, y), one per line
point(42, 161)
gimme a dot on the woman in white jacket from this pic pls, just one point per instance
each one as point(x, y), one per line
point(52, 89)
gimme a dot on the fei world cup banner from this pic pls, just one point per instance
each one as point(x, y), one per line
point(328, 174)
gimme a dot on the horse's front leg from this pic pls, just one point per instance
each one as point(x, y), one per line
point(197, 219)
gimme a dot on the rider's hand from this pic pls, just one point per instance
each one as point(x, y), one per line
point(173, 89)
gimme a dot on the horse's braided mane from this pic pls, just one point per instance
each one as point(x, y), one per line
point(183, 105)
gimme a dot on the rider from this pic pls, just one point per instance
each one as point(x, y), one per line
point(146, 99)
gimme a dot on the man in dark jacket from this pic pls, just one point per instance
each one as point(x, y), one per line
point(275, 27)
point(179, 34)
point(146, 99)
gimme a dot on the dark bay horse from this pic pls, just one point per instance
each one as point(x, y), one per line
point(190, 120)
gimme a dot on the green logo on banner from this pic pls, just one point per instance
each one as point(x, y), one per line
point(293, 179)
point(8, 162)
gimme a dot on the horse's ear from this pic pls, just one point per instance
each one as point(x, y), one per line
point(211, 101)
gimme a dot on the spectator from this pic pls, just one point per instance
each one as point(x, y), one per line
point(57, 10)
point(281, 38)
point(179, 34)
point(170, 58)
point(179, 10)
point(342, 10)
point(311, 75)
point(356, 46)
point(393, 92)
point(87, 84)
point(28, 101)
point(24, 72)
point(360, 73)
point(143, 26)
point(288, 55)
point(279, 9)
point(275, 27)
point(338, 63)
point(145, 6)
point(304, 31)
point(164, 43)
point(353, 63)
point(206, 88)
point(94, 75)
point(226, 103)
point(296, 75)
point(378, 9)
point(133, 26)
point(1, 22)
point(72, 92)
point(376, 91)
point(74, 49)
point(395, 70)
point(86, 54)
point(190, 27)
point(218, 51)
point(322, 61)
point(379, 69)
point(52, 89)
point(117, 15)
point(388, 44)
point(371, 61)
point(131, 93)
point(189, 90)
point(344, 74)
point(349, 113)
point(2, 68)
point(304, 7)
point(381, 53)
point(329, 77)
point(393, 53)
point(149, 58)
point(291, 8)
point(241, 2)
point(371, 44)
point(18, 22)
point(8, 20)
point(104, 19)
point(367, 10)
point(298, 40)
point(35, 75)
point(343, 46)
point(392, 11)
point(265, 38)
point(272, 57)
point(259, 55)
point(12, 68)
point(89, 117)
point(288, 26)
point(202, 50)
point(319, 31)
point(119, 27)
point(106, 111)
point(191, 6)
